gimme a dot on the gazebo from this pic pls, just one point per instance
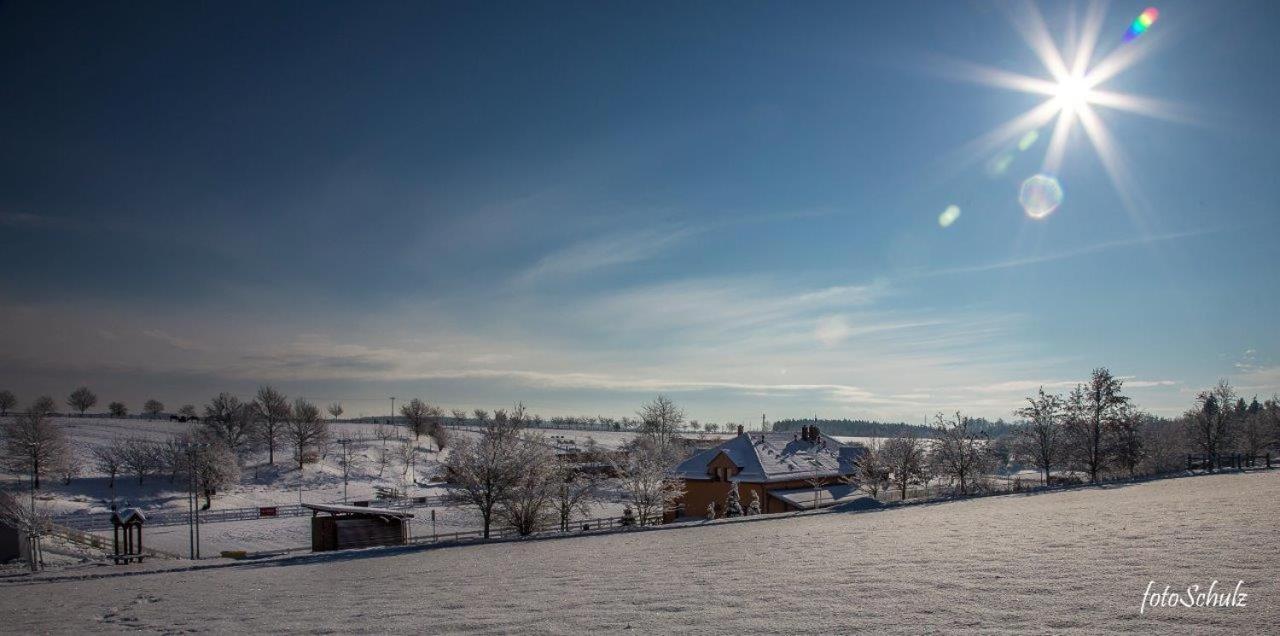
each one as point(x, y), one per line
point(127, 522)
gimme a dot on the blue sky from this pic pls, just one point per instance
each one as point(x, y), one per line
point(579, 205)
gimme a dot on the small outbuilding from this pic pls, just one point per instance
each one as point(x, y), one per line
point(335, 527)
point(126, 535)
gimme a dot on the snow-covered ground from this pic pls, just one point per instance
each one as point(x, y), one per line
point(278, 484)
point(1067, 562)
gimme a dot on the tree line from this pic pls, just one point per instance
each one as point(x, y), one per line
point(1092, 432)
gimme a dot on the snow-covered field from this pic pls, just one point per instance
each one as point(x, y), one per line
point(264, 485)
point(1068, 562)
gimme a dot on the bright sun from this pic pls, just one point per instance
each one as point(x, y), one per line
point(1073, 92)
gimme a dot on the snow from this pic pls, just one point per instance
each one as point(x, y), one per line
point(264, 485)
point(1063, 562)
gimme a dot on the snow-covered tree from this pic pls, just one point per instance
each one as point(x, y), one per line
point(711, 511)
point(732, 505)
point(1211, 424)
point(529, 504)
point(482, 471)
point(906, 460)
point(573, 492)
point(754, 507)
point(228, 419)
point(1126, 439)
point(82, 399)
point(644, 472)
point(873, 470)
point(660, 421)
point(109, 460)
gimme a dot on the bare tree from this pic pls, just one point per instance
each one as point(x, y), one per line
point(153, 408)
point(139, 457)
point(660, 421)
point(118, 409)
point(1043, 437)
point(7, 401)
point(215, 465)
point(1165, 445)
point(873, 471)
point(82, 399)
point(573, 492)
point(1127, 439)
point(1093, 409)
point(335, 410)
point(228, 419)
point(305, 430)
point(1210, 423)
point(483, 471)
point(1255, 430)
point(960, 452)
point(109, 459)
point(34, 445)
point(273, 411)
point(528, 504)
point(188, 411)
point(42, 405)
point(906, 460)
point(644, 472)
point(459, 417)
point(416, 414)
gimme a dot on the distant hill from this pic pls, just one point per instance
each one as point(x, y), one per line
point(867, 428)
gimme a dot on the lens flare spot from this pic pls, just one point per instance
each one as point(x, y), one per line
point(949, 216)
point(1028, 140)
point(1040, 196)
point(1141, 23)
point(999, 165)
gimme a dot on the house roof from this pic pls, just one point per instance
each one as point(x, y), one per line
point(808, 498)
point(780, 456)
point(357, 510)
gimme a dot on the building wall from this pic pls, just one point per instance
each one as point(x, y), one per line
point(697, 494)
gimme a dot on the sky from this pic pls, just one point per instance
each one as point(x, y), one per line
point(582, 205)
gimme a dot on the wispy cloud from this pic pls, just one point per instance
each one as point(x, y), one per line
point(1065, 254)
point(605, 251)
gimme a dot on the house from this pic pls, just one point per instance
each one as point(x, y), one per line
point(335, 527)
point(791, 470)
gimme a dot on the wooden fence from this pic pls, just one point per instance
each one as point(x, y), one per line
point(102, 521)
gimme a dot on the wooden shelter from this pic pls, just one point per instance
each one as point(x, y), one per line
point(335, 527)
point(126, 535)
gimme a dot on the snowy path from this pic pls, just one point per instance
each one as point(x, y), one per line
point(1064, 562)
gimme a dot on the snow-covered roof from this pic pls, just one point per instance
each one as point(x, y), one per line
point(781, 456)
point(808, 498)
point(357, 510)
point(128, 515)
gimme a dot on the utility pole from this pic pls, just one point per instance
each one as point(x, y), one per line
point(393, 409)
point(346, 466)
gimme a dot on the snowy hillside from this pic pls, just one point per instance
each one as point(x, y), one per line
point(1063, 562)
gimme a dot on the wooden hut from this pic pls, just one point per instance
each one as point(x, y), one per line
point(335, 527)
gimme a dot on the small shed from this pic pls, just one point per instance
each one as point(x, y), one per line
point(335, 527)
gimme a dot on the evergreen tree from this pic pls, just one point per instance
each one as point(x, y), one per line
point(754, 508)
point(733, 506)
point(711, 511)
